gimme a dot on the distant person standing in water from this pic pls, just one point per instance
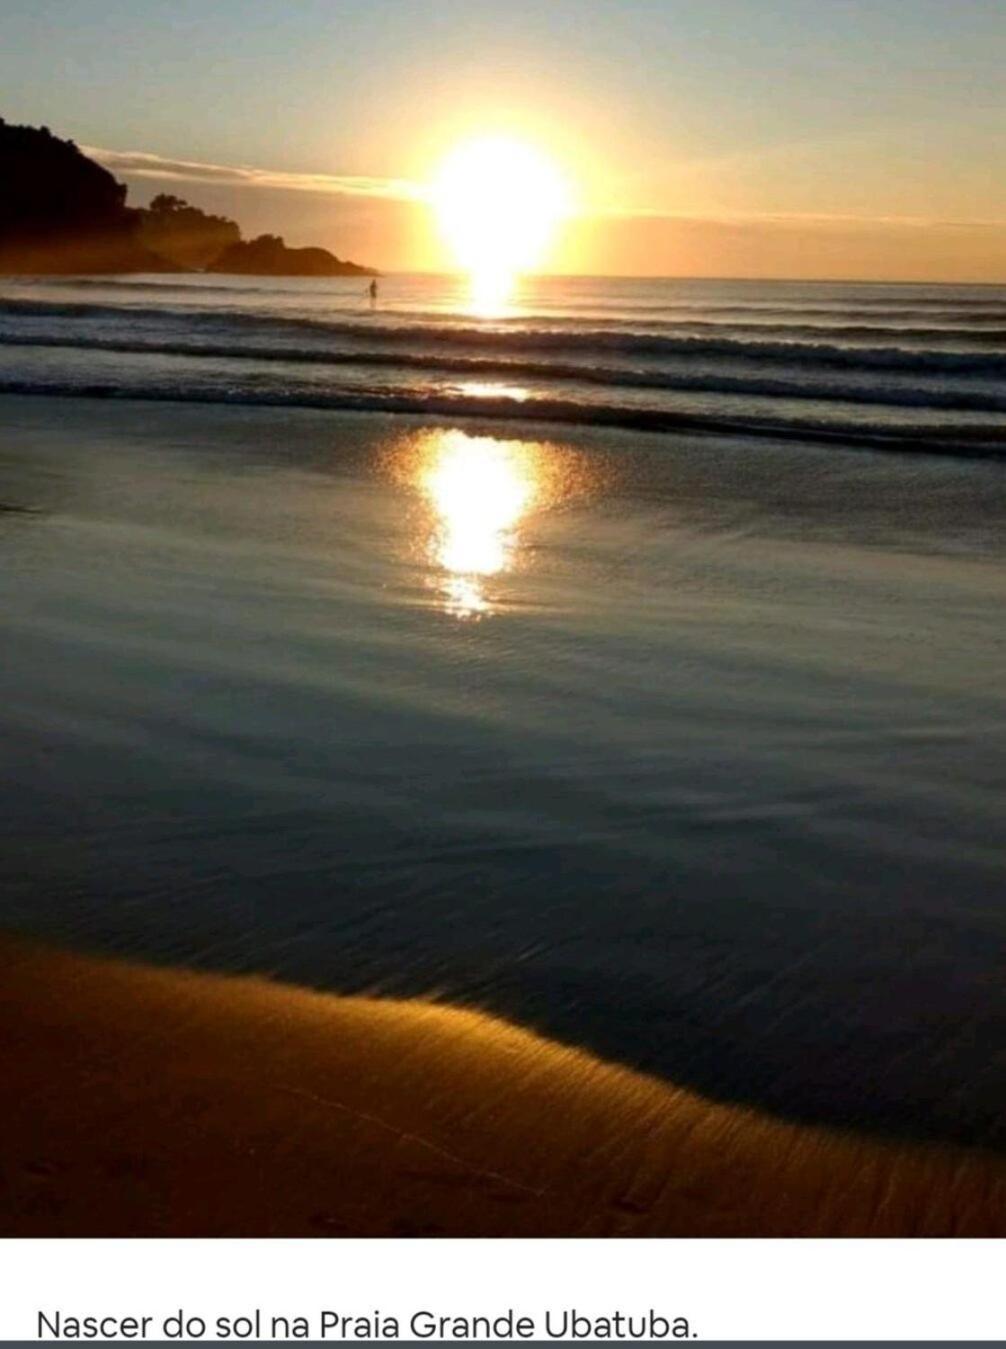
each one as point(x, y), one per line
point(372, 288)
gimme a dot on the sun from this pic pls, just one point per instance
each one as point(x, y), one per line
point(498, 202)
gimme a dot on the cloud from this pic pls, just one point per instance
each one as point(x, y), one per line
point(798, 219)
point(141, 164)
point(383, 221)
point(807, 247)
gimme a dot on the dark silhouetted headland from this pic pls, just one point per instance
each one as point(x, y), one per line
point(61, 212)
point(268, 255)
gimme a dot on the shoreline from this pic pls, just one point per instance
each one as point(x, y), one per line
point(158, 1102)
point(549, 413)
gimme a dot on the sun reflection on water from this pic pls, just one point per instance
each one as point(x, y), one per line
point(479, 492)
point(491, 388)
point(491, 295)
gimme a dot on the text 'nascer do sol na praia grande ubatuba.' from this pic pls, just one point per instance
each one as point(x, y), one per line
point(564, 1323)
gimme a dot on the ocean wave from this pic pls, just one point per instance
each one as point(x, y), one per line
point(964, 440)
point(853, 332)
point(515, 369)
point(405, 322)
point(875, 317)
point(599, 341)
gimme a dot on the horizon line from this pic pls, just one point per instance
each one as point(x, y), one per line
point(701, 276)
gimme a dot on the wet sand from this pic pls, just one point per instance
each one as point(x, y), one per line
point(683, 753)
point(158, 1102)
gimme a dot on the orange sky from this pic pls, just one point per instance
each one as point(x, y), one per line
point(396, 233)
point(793, 138)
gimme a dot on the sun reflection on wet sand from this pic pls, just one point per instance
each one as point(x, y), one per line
point(480, 491)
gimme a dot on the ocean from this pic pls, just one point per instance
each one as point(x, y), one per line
point(629, 664)
point(883, 365)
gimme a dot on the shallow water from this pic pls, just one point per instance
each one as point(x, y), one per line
point(687, 750)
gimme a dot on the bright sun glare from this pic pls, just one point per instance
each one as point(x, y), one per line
point(498, 203)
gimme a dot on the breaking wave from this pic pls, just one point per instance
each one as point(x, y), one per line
point(967, 440)
point(903, 367)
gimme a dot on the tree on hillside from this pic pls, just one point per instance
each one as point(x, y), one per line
point(185, 234)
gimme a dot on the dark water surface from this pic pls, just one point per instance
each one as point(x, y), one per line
point(687, 750)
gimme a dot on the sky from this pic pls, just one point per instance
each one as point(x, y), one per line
point(795, 138)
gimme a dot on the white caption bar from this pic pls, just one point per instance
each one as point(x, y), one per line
point(725, 1290)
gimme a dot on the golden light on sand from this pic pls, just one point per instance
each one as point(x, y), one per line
point(498, 202)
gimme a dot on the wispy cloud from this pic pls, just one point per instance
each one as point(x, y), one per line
point(141, 164)
point(798, 219)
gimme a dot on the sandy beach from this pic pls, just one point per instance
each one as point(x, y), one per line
point(148, 1101)
point(502, 577)
point(686, 754)
point(675, 764)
